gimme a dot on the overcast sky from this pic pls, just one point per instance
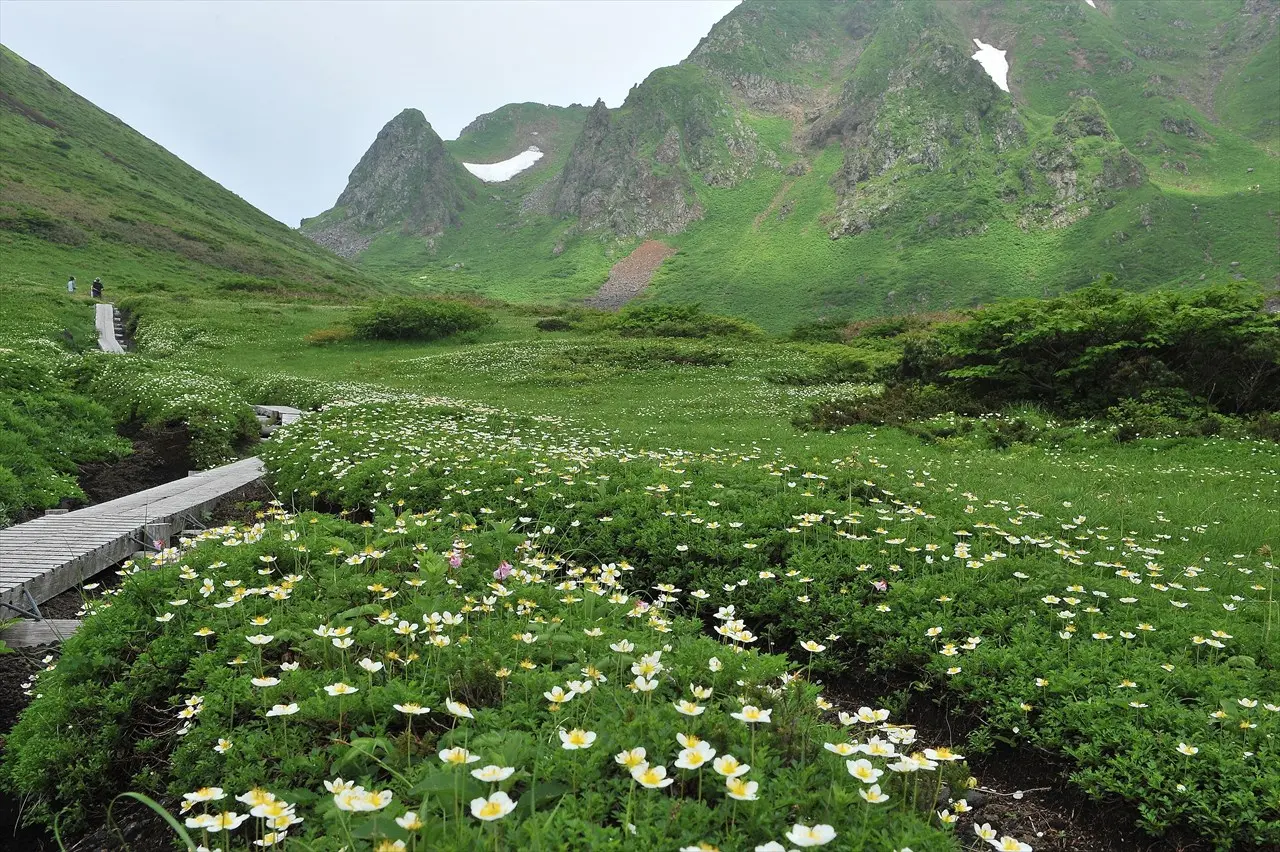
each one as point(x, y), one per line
point(277, 101)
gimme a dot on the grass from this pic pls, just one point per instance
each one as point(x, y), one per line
point(525, 394)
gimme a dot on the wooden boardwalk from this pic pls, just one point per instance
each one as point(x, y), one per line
point(47, 556)
point(105, 322)
point(30, 633)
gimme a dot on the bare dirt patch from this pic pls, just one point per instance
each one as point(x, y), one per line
point(631, 275)
point(1024, 792)
point(159, 455)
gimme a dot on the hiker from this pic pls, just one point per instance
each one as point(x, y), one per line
point(96, 289)
point(71, 284)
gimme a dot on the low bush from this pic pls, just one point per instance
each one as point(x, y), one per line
point(418, 319)
point(156, 392)
point(47, 429)
point(819, 331)
point(829, 365)
point(1088, 351)
point(680, 321)
point(899, 405)
point(1265, 425)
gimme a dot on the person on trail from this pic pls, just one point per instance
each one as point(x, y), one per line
point(71, 284)
point(96, 289)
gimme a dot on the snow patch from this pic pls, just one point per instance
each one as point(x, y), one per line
point(507, 169)
point(1091, 3)
point(993, 62)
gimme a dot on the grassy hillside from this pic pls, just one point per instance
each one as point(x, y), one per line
point(82, 193)
point(510, 129)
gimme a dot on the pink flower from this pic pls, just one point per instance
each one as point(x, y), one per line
point(880, 585)
point(455, 559)
point(503, 572)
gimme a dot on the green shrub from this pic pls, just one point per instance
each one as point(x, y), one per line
point(1089, 351)
point(1265, 425)
point(417, 319)
point(897, 406)
point(819, 331)
point(1162, 414)
point(47, 428)
point(680, 321)
point(554, 324)
point(833, 364)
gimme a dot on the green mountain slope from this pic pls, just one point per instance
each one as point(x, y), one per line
point(850, 158)
point(511, 129)
point(82, 193)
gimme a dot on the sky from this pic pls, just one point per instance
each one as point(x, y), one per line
point(277, 100)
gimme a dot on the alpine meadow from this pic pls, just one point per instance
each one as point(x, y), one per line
point(865, 436)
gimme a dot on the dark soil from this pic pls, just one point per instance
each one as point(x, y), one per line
point(1023, 792)
point(160, 455)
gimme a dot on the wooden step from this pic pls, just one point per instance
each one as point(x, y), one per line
point(29, 632)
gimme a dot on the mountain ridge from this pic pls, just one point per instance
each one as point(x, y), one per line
point(1123, 146)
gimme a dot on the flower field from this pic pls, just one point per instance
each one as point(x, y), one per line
point(521, 632)
point(1117, 646)
point(400, 684)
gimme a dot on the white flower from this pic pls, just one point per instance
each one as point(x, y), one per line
point(752, 714)
point(576, 739)
point(863, 770)
point(493, 774)
point(496, 806)
point(457, 708)
point(458, 756)
point(340, 688)
point(818, 835)
point(695, 757)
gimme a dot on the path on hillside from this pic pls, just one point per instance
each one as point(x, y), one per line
point(631, 275)
point(108, 328)
point(49, 555)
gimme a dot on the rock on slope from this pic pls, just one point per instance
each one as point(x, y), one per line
point(406, 181)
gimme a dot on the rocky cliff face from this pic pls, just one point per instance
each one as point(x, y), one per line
point(405, 181)
point(605, 184)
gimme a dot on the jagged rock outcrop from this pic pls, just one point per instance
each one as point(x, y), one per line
point(877, 117)
point(935, 107)
point(406, 181)
point(605, 184)
point(1082, 143)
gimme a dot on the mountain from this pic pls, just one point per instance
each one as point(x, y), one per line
point(406, 180)
point(83, 193)
point(851, 158)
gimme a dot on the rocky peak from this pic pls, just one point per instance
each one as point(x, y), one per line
point(406, 179)
point(607, 184)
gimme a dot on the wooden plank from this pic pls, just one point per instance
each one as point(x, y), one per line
point(29, 633)
point(47, 556)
